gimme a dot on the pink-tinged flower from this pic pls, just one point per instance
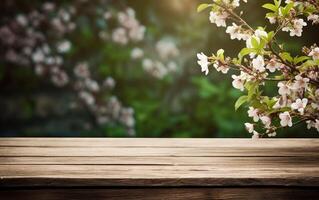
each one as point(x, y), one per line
point(87, 98)
point(260, 33)
point(310, 124)
point(137, 53)
point(285, 119)
point(300, 82)
point(315, 106)
point(218, 18)
point(236, 32)
point(314, 18)
point(119, 36)
point(64, 46)
point(300, 105)
point(221, 67)
point(203, 62)
point(255, 135)
point(81, 70)
point(296, 28)
point(272, 20)
point(273, 134)
point(314, 53)
point(266, 121)
point(259, 64)
point(249, 127)
point(92, 85)
point(252, 112)
point(109, 82)
point(317, 125)
point(273, 65)
point(238, 82)
point(283, 89)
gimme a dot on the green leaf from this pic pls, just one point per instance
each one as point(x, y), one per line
point(220, 54)
point(246, 51)
point(254, 42)
point(252, 88)
point(203, 6)
point(277, 3)
point(270, 6)
point(300, 59)
point(240, 101)
point(288, 7)
point(270, 35)
point(286, 56)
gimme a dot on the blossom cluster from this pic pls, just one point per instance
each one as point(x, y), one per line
point(263, 60)
point(127, 29)
point(39, 38)
point(164, 63)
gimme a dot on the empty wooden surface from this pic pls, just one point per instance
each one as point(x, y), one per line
point(97, 162)
point(164, 194)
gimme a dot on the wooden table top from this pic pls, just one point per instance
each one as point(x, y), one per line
point(77, 162)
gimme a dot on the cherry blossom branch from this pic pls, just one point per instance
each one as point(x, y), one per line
point(234, 15)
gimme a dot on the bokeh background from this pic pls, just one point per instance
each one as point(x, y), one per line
point(102, 68)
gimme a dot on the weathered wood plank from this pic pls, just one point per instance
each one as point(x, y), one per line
point(156, 142)
point(177, 161)
point(133, 175)
point(158, 162)
point(153, 151)
point(163, 194)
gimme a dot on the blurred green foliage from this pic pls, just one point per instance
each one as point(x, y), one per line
point(188, 104)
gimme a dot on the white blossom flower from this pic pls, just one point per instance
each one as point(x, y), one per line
point(259, 63)
point(272, 20)
point(87, 98)
point(254, 113)
point(314, 18)
point(296, 28)
point(260, 33)
point(60, 78)
point(300, 105)
point(273, 134)
point(109, 82)
point(310, 124)
point(137, 33)
point(236, 32)
point(283, 89)
point(203, 62)
point(314, 53)
point(249, 127)
point(22, 20)
point(119, 36)
point(273, 65)
point(221, 67)
point(81, 70)
point(238, 82)
point(147, 64)
point(92, 85)
point(166, 48)
point(137, 53)
point(64, 46)
point(315, 105)
point(317, 125)
point(172, 66)
point(126, 117)
point(285, 119)
point(255, 135)
point(218, 18)
point(300, 83)
point(38, 56)
point(266, 121)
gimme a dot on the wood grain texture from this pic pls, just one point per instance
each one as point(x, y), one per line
point(163, 194)
point(97, 162)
